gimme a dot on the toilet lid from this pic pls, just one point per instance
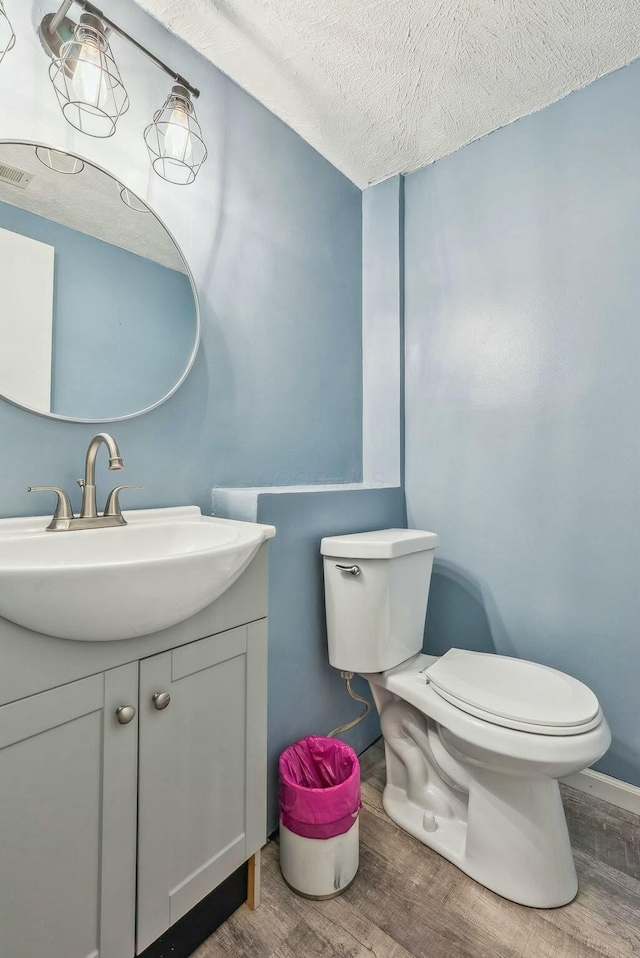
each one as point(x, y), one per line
point(512, 689)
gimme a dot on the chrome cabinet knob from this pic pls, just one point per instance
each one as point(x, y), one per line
point(125, 714)
point(161, 700)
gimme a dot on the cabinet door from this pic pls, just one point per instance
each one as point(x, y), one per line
point(68, 821)
point(201, 773)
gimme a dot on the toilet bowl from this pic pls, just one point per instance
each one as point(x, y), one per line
point(475, 743)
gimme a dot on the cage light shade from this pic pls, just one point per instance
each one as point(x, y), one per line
point(174, 139)
point(59, 162)
point(7, 36)
point(87, 81)
point(131, 200)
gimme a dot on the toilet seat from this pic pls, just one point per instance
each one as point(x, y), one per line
point(514, 693)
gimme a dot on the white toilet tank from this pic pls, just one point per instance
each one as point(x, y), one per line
point(376, 589)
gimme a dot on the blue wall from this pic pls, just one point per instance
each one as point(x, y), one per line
point(123, 326)
point(273, 233)
point(306, 695)
point(382, 338)
point(523, 394)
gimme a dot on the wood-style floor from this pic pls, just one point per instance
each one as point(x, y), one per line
point(408, 902)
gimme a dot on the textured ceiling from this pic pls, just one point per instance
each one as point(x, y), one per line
point(88, 202)
point(381, 87)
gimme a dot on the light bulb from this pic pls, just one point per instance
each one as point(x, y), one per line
point(88, 77)
point(174, 138)
point(177, 138)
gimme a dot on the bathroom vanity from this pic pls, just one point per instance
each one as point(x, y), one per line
point(133, 667)
point(132, 773)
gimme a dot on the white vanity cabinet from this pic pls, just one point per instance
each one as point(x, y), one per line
point(68, 780)
point(202, 771)
point(112, 828)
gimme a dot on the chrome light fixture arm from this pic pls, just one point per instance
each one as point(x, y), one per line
point(56, 20)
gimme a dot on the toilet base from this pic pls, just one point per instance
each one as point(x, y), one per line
point(507, 832)
point(497, 853)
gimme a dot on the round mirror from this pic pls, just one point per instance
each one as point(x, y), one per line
point(98, 311)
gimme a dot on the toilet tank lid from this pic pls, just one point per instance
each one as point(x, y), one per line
point(383, 544)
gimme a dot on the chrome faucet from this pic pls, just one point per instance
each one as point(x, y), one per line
point(89, 508)
point(63, 518)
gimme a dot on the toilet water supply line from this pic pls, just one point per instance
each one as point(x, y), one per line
point(347, 676)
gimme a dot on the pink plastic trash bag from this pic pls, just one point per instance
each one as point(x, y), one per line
point(319, 787)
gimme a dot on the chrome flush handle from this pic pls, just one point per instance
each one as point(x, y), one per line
point(349, 569)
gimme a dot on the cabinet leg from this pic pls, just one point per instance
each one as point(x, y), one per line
point(253, 883)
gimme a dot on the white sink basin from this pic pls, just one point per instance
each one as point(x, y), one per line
point(103, 584)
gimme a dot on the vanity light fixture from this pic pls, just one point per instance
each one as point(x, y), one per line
point(174, 139)
point(92, 95)
point(87, 81)
point(7, 36)
point(60, 162)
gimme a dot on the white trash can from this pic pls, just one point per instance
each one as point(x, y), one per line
point(319, 817)
point(319, 867)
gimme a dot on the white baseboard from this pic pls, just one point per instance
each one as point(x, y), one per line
point(609, 789)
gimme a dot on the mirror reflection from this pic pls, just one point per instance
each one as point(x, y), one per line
point(98, 316)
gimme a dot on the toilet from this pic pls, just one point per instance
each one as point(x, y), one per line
point(475, 743)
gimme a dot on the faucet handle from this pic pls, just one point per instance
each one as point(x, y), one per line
point(112, 507)
point(63, 507)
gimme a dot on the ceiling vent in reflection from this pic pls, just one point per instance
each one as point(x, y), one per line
point(10, 174)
